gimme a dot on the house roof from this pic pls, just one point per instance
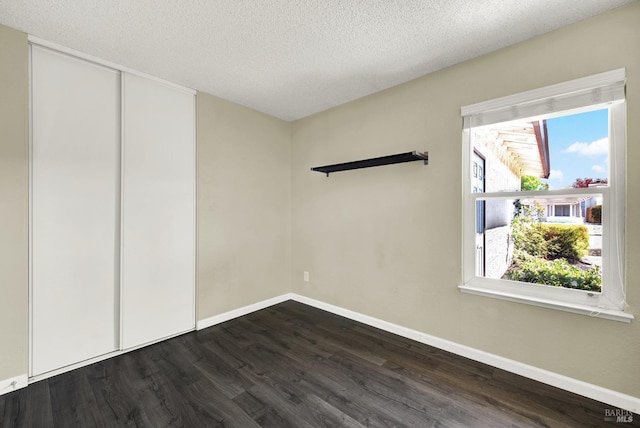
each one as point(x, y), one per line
point(527, 144)
point(292, 58)
point(522, 146)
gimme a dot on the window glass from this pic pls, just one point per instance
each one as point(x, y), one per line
point(565, 151)
point(537, 248)
point(544, 239)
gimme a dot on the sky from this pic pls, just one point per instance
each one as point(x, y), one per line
point(578, 147)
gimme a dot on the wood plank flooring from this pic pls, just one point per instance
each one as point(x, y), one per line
point(292, 365)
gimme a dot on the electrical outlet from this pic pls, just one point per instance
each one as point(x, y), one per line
point(306, 276)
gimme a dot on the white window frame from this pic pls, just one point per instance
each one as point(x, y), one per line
point(604, 90)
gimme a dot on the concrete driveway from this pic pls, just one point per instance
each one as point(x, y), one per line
point(595, 244)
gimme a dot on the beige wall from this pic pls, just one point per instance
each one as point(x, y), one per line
point(387, 241)
point(243, 206)
point(14, 199)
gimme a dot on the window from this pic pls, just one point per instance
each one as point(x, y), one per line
point(544, 188)
point(563, 210)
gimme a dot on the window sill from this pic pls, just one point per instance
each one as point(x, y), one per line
point(610, 314)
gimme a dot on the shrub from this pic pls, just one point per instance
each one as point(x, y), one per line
point(526, 231)
point(596, 213)
point(566, 241)
point(557, 273)
point(549, 241)
point(544, 253)
point(528, 238)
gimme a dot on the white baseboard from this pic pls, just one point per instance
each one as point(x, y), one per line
point(217, 319)
point(13, 383)
point(608, 396)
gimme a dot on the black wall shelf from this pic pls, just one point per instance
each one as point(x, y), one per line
point(367, 163)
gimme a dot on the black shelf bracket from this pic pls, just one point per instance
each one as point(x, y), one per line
point(367, 163)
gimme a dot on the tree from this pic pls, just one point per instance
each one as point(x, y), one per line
point(585, 182)
point(529, 182)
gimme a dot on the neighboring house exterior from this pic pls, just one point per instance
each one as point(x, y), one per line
point(588, 204)
point(566, 210)
point(502, 155)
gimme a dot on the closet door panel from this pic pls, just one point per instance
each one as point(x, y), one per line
point(75, 209)
point(158, 259)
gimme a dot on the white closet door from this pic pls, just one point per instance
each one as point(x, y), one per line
point(75, 209)
point(158, 238)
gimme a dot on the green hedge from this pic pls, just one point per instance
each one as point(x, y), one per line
point(557, 273)
point(528, 237)
point(567, 241)
point(549, 254)
point(550, 241)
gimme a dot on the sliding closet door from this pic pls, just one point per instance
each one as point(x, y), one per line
point(75, 209)
point(158, 251)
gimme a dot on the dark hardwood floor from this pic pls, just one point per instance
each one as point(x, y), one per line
point(292, 365)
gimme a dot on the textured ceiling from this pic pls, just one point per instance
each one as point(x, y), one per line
point(292, 58)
